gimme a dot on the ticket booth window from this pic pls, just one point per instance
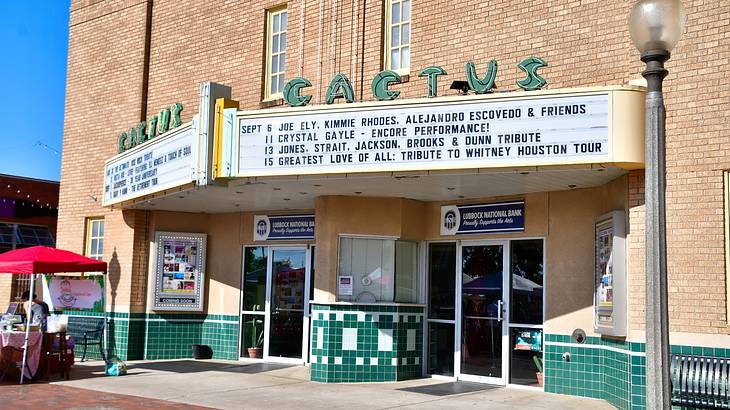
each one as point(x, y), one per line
point(378, 270)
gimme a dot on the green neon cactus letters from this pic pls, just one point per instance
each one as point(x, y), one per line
point(292, 92)
point(533, 81)
point(165, 120)
point(340, 86)
point(432, 73)
point(380, 85)
point(481, 85)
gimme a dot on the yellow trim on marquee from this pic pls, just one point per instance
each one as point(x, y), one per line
point(220, 105)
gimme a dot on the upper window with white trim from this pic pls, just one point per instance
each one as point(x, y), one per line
point(95, 238)
point(276, 22)
point(398, 36)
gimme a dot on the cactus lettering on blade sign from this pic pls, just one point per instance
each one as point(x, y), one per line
point(166, 120)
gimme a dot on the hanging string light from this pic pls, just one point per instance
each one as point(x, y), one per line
point(30, 200)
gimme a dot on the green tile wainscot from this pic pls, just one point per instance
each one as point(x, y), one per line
point(152, 336)
point(354, 343)
point(605, 368)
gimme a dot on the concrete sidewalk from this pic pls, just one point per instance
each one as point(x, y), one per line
point(235, 385)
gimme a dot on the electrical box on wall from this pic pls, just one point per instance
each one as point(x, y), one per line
point(609, 300)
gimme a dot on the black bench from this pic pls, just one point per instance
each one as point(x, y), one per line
point(700, 381)
point(86, 332)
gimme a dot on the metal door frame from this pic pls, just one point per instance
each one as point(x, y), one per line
point(243, 312)
point(501, 381)
point(266, 313)
point(305, 320)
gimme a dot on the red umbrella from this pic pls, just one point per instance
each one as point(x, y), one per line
point(42, 259)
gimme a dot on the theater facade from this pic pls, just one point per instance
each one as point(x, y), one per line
point(387, 190)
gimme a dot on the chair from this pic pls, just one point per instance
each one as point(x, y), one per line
point(9, 356)
point(87, 333)
point(61, 351)
point(700, 381)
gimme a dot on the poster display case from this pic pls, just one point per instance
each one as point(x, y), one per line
point(609, 301)
point(179, 271)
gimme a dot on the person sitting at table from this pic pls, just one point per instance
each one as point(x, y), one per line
point(38, 311)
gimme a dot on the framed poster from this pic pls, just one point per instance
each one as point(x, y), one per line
point(610, 274)
point(179, 271)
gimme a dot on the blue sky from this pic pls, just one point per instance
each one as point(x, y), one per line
point(34, 43)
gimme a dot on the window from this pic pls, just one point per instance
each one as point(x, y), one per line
point(526, 309)
point(398, 36)
point(8, 236)
point(254, 278)
point(22, 236)
point(255, 265)
point(95, 238)
point(14, 236)
point(382, 270)
point(441, 307)
point(276, 20)
point(527, 282)
point(726, 180)
point(35, 235)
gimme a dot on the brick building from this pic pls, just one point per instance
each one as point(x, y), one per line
point(394, 281)
point(28, 214)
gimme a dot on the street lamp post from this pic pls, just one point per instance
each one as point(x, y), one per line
point(655, 27)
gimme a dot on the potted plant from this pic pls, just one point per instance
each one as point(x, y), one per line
point(255, 349)
point(538, 364)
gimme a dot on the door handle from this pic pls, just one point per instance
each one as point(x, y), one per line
point(499, 310)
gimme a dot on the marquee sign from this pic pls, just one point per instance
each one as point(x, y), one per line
point(449, 135)
point(163, 163)
point(267, 228)
point(483, 218)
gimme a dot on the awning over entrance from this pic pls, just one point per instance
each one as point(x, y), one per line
point(279, 193)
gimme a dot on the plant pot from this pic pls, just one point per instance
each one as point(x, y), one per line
point(539, 379)
point(255, 352)
point(203, 352)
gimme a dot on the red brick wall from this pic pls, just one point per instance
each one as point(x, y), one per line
point(38, 192)
point(103, 98)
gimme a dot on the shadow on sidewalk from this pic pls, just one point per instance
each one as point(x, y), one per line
point(448, 389)
point(92, 370)
point(196, 366)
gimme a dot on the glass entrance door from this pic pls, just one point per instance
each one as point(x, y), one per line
point(482, 332)
point(485, 310)
point(288, 297)
point(275, 300)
